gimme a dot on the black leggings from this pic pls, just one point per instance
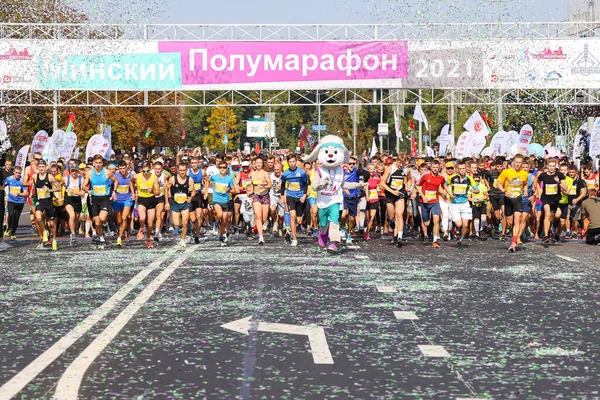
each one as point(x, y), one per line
point(591, 236)
point(1, 213)
point(14, 214)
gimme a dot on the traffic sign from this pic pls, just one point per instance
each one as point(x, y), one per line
point(319, 127)
point(383, 129)
point(226, 139)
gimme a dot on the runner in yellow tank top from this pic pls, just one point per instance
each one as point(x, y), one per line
point(147, 189)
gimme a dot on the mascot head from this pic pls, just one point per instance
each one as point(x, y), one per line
point(330, 151)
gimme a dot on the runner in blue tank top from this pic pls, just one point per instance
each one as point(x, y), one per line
point(122, 200)
point(98, 182)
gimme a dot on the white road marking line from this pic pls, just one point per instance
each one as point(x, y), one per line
point(405, 315)
point(433, 351)
point(26, 375)
point(374, 271)
point(361, 257)
point(70, 381)
point(353, 247)
point(316, 335)
point(386, 289)
point(567, 258)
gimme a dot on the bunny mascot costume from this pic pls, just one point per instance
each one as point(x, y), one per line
point(329, 183)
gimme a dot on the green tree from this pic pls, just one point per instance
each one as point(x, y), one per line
point(222, 121)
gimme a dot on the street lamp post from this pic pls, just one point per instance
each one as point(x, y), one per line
point(292, 141)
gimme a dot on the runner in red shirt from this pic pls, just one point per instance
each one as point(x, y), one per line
point(429, 188)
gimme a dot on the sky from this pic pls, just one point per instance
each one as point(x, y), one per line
point(318, 11)
point(357, 11)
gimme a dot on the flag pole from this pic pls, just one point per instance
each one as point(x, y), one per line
point(420, 128)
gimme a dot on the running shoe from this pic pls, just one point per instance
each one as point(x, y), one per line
point(102, 242)
point(502, 238)
point(315, 233)
point(459, 243)
point(40, 246)
point(119, 242)
point(294, 243)
point(275, 227)
point(322, 239)
point(333, 249)
point(399, 243)
point(261, 240)
point(73, 239)
point(513, 248)
point(13, 237)
point(435, 245)
point(140, 234)
point(287, 237)
point(348, 239)
point(547, 240)
point(367, 236)
point(222, 241)
point(45, 239)
point(394, 240)
point(446, 236)
point(197, 239)
point(176, 231)
point(181, 244)
point(54, 245)
point(7, 233)
point(149, 244)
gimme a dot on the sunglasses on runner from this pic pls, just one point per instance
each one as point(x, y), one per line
point(37, 158)
point(145, 171)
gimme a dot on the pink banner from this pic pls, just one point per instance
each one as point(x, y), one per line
point(218, 63)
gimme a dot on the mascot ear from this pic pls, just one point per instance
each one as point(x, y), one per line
point(312, 157)
point(346, 156)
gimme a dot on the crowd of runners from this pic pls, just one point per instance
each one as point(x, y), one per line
point(188, 197)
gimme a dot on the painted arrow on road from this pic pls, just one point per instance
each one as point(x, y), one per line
point(316, 335)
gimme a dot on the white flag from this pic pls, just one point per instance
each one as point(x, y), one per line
point(476, 125)
point(397, 126)
point(373, 149)
point(420, 115)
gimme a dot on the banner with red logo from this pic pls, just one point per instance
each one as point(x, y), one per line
point(525, 137)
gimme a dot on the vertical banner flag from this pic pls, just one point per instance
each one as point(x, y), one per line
point(4, 140)
point(22, 159)
point(397, 126)
point(69, 144)
point(430, 152)
point(462, 145)
point(70, 123)
point(511, 139)
point(183, 135)
point(420, 115)
point(148, 132)
point(76, 154)
point(524, 139)
point(55, 143)
point(497, 142)
point(305, 135)
point(107, 135)
point(444, 139)
point(96, 145)
point(373, 149)
point(578, 145)
point(40, 141)
point(595, 140)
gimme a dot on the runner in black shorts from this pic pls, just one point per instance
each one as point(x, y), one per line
point(495, 195)
point(45, 184)
point(554, 183)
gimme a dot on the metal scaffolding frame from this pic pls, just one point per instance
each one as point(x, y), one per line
point(300, 32)
point(303, 32)
point(258, 98)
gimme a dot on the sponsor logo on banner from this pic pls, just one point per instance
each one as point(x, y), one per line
point(13, 54)
point(14, 79)
point(585, 64)
point(549, 54)
point(531, 77)
point(522, 56)
point(553, 76)
point(501, 78)
point(111, 71)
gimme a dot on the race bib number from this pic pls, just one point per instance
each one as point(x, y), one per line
point(180, 198)
point(99, 190)
point(43, 193)
point(123, 189)
point(294, 186)
point(373, 194)
point(430, 195)
point(14, 191)
point(591, 185)
point(397, 183)
point(460, 188)
point(221, 187)
point(246, 182)
point(572, 191)
point(198, 186)
point(551, 189)
point(495, 184)
point(162, 191)
point(515, 187)
point(145, 189)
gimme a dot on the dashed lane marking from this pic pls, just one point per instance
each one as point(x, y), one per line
point(433, 351)
point(386, 289)
point(405, 315)
point(569, 259)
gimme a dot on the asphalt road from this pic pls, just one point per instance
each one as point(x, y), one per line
point(138, 323)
